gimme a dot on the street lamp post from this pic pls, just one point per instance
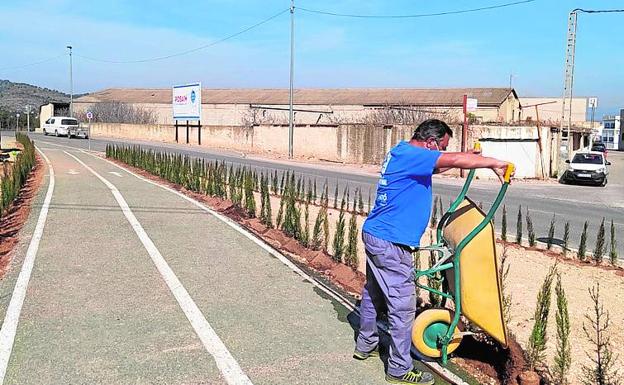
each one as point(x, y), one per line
point(290, 91)
point(17, 122)
point(71, 84)
point(28, 118)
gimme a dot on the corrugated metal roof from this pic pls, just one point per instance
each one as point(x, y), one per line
point(325, 96)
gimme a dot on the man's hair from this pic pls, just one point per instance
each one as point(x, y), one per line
point(432, 128)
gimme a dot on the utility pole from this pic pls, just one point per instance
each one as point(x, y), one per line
point(593, 104)
point(71, 84)
point(567, 88)
point(290, 94)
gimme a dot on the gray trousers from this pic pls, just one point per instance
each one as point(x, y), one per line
point(389, 285)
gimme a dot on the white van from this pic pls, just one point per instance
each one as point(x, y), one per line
point(64, 125)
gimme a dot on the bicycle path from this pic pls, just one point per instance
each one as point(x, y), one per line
point(99, 309)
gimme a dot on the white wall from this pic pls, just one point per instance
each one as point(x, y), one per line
point(523, 154)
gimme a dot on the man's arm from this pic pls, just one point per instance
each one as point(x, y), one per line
point(469, 161)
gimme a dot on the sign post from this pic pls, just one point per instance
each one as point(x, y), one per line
point(89, 117)
point(186, 106)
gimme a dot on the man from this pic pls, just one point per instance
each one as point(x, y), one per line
point(391, 231)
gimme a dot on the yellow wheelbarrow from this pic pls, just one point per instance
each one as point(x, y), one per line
point(467, 268)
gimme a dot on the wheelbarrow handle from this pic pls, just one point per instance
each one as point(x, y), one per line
point(511, 168)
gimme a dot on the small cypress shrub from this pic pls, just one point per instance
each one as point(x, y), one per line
point(504, 224)
point(604, 363)
point(530, 230)
point(262, 200)
point(566, 238)
point(325, 230)
point(613, 255)
point(314, 192)
point(336, 196)
point(360, 202)
point(250, 200)
point(551, 233)
point(305, 237)
point(583, 244)
point(441, 207)
point(267, 209)
point(275, 183)
point(434, 212)
point(504, 274)
point(280, 213)
point(434, 282)
point(283, 182)
point(339, 237)
point(351, 257)
point(563, 359)
point(600, 243)
point(317, 236)
point(519, 226)
point(536, 347)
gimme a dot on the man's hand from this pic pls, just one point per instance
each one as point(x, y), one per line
point(500, 171)
point(469, 161)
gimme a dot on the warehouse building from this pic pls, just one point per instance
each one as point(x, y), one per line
point(245, 107)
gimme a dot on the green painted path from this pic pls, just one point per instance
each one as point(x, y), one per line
point(98, 311)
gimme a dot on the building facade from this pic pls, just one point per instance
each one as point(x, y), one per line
point(549, 109)
point(248, 107)
point(612, 134)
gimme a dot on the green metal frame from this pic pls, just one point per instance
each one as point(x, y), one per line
point(450, 258)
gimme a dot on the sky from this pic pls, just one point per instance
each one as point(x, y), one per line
point(479, 49)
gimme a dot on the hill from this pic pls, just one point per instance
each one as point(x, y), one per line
point(15, 96)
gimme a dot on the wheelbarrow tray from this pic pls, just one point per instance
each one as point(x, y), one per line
point(481, 296)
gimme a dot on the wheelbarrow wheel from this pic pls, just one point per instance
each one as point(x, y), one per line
point(428, 327)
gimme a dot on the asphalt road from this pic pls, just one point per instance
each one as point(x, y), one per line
point(569, 203)
point(132, 284)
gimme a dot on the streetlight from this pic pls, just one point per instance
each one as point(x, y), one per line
point(17, 122)
point(71, 84)
point(28, 117)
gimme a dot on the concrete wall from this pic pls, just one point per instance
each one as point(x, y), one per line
point(517, 144)
point(344, 143)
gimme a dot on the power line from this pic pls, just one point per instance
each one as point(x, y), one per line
point(598, 11)
point(31, 64)
point(416, 15)
point(157, 58)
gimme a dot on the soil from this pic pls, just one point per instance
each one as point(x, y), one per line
point(528, 269)
point(14, 218)
point(479, 356)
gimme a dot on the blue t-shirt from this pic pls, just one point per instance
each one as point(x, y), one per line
point(403, 204)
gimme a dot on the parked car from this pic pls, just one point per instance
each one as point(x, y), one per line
point(587, 167)
point(600, 147)
point(64, 125)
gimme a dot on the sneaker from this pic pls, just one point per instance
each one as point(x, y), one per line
point(412, 377)
point(358, 355)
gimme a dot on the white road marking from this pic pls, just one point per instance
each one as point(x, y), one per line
point(72, 172)
point(11, 319)
point(115, 173)
point(228, 366)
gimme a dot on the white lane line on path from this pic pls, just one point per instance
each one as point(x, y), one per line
point(444, 372)
point(9, 326)
point(228, 366)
